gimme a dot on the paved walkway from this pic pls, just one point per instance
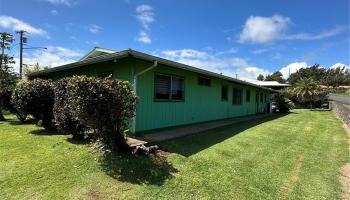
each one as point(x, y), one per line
point(195, 128)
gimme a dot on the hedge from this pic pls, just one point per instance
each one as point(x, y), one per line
point(35, 98)
point(103, 105)
point(62, 111)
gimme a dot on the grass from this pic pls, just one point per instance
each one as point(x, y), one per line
point(296, 156)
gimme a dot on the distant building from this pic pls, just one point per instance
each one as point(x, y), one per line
point(270, 84)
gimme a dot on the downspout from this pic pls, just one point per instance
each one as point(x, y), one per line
point(134, 86)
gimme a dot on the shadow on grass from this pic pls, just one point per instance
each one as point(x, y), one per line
point(78, 141)
point(17, 122)
point(44, 132)
point(192, 144)
point(137, 169)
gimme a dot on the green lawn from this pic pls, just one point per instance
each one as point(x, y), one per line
point(296, 156)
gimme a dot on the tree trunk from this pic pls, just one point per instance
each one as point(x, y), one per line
point(2, 118)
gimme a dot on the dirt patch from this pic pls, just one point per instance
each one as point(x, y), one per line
point(292, 181)
point(93, 194)
point(344, 177)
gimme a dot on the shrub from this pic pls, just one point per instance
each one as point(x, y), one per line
point(62, 111)
point(103, 105)
point(284, 105)
point(5, 100)
point(35, 98)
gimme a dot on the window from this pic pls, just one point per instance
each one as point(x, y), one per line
point(261, 97)
point(247, 96)
point(169, 88)
point(105, 74)
point(204, 81)
point(265, 98)
point(224, 93)
point(177, 88)
point(237, 96)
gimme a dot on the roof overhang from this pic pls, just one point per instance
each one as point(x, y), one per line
point(146, 57)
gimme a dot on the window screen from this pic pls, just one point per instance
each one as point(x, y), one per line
point(247, 97)
point(237, 96)
point(169, 87)
point(162, 87)
point(224, 95)
point(177, 88)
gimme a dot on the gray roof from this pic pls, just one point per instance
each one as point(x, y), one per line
point(143, 56)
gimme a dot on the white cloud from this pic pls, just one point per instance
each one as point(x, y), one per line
point(317, 36)
point(52, 57)
point(61, 2)
point(339, 65)
point(14, 24)
point(216, 62)
point(94, 28)
point(260, 51)
point(263, 29)
point(54, 12)
point(145, 15)
point(292, 68)
point(185, 53)
point(143, 37)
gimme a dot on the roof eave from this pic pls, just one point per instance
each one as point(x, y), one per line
point(140, 55)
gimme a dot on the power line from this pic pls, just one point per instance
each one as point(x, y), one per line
point(23, 41)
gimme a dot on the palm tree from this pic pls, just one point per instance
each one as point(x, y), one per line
point(307, 89)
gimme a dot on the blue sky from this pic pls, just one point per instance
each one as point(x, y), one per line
point(229, 37)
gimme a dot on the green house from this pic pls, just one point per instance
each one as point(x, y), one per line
point(171, 94)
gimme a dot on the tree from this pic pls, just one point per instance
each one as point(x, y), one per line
point(260, 77)
point(314, 72)
point(8, 78)
point(276, 76)
point(307, 90)
point(30, 69)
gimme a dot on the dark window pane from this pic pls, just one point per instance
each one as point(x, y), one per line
point(224, 95)
point(237, 96)
point(247, 96)
point(177, 88)
point(162, 87)
point(204, 81)
point(261, 97)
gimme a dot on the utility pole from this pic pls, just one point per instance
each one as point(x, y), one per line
point(2, 49)
point(22, 40)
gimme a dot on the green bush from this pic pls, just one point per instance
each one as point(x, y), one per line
point(103, 105)
point(284, 105)
point(62, 111)
point(35, 98)
point(5, 100)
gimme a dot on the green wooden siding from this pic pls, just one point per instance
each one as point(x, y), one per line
point(201, 103)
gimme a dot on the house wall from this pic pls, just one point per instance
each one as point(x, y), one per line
point(201, 103)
